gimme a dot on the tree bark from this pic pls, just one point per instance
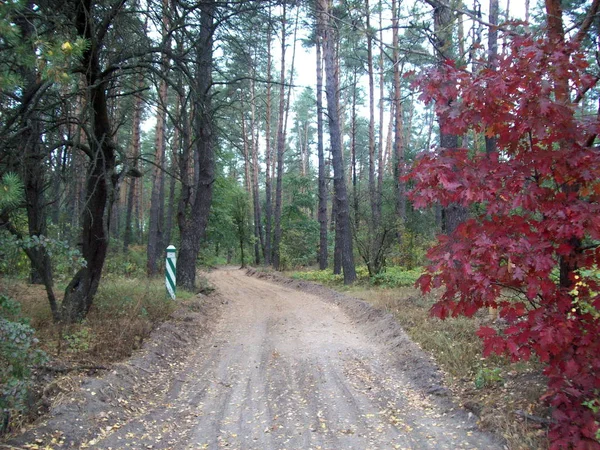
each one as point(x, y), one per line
point(280, 148)
point(157, 199)
point(258, 233)
point(331, 90)
point(490, 141)
point(134, 154)
point(375, 219)
point(399, 162)
point(101, 176)
point(380, 153)
point(453, 215)
point(193, 217)
point(268, 159)
point(322, 214)
point(354, 177)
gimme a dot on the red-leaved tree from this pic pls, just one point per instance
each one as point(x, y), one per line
point(531, 245)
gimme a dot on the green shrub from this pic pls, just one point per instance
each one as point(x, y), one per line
point(393, 277)
point(397, 277)
point(18, 357)
point(488, 377)
point(130, 264)
point(320, 276)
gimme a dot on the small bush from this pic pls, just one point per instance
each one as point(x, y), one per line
point(488, 377)
point(393, 277)
point(397, 277)
point(124, 312)
point(18, 357)
point(130, 264)
point(320, 276)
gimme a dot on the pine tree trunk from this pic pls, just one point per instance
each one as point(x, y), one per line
point(375, 219)
point(453, 215)
point(157, 199)
point(355, 199)
point(398, 128)
point(280, 148)
point(331, 91)
point(80, 292)
point(490, 141)
point(322, 214)
point(268, 158)
point(193, 217)
point(258, 234)
point(380, 153)
point(134, 154)
point(33, 171)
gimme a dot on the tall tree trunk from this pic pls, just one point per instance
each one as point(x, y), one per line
point(331, 91)
point(33, 169)
point(134, 154)
point(245, 149)
point(258, 233)
point(454, 214)
point(380, 153)
point(101, 177)
point(490, 141)
point(280, 147)
point(268, 159)
point(168, 234)
point(354, 177)
point(375, 219)
point(193, 217)
point(398, 128)
point(322, 214)
point(157, 200)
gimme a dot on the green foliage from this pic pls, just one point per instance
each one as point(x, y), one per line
point(486, 377)
point(228, 220)
point(51, 55)
point(393, 277)
point(320, 276)
point(120, 297)
point(66, 259)
point(79, 340)
point(299, 243)
point(131, 264)
point(413, 251)
point(397, 276)
point(300, 232)
point(594, 405)
point(13, 260)
point(11, 190)
point(18, 357)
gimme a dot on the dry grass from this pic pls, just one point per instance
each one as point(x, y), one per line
point(124, 313)
point(495, 390)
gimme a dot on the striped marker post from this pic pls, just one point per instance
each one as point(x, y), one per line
point(170, 277)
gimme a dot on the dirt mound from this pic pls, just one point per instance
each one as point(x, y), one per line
point(83, 407)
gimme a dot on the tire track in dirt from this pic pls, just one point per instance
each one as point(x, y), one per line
point(284, 369)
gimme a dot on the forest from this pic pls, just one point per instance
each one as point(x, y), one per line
point(451, 141)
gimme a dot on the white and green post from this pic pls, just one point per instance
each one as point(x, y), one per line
point(170, 271)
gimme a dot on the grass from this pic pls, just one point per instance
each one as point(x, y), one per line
point(492, 388)
point(124, 312)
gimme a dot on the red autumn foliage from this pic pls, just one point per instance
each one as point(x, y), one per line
point(531, 245)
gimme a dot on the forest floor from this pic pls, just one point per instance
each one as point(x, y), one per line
point(264, 365)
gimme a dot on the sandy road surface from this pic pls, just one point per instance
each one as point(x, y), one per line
point(284, 369)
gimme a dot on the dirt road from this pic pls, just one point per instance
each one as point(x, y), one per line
point(285, 369)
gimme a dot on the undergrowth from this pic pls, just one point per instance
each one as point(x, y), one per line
point(392, 277)
point(124, 312)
